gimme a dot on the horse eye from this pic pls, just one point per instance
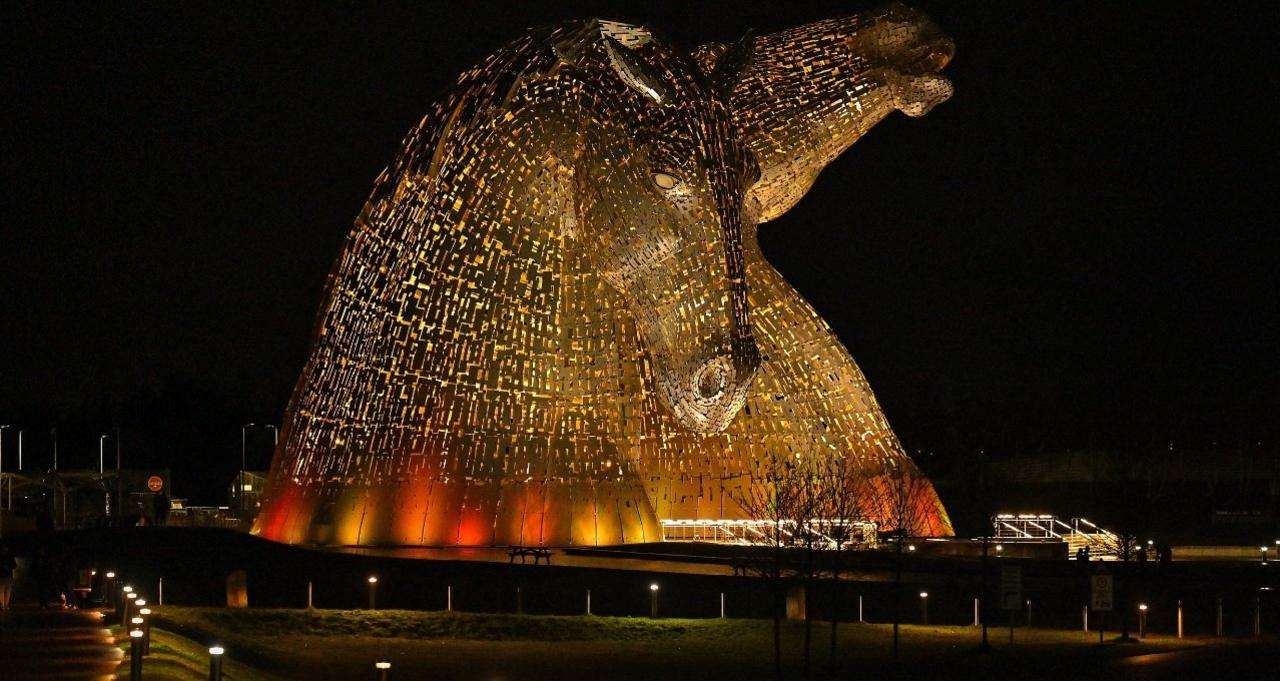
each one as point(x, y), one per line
point(665, 180)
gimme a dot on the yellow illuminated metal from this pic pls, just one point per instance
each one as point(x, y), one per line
point(552, 322)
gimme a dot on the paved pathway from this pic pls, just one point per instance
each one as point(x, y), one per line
point(55, 644)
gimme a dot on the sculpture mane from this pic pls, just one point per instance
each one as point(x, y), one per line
point(552, 324)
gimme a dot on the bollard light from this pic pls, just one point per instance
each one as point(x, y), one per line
point(911, 547)
point(215, 663)
point(1263, 549)
point(382, 667)
point(999, 548)
point(1142, 620)
point(924, 607)
point(653, 601)
point(135, 655)
point(373, 591)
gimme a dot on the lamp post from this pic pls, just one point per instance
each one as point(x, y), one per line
point(373, 592)
point(2, 427)
point(924, 607)
point(383, 668)
point(146, 627)
point(1263, 549)
point(275, 434)
point(135, 655)
point(243, 430)
point(215, 663)
point(1142, 620)
point(53, 432)
point(653, 601)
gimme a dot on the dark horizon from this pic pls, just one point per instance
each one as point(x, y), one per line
point(1071, 253)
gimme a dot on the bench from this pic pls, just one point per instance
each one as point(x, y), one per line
point(527, 551)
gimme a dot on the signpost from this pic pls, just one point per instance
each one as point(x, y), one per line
point(1101, 598)
point(1011, 592)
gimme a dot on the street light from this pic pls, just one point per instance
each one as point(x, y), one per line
point(382, 667)
point(215, 663)
point(653, 601)
point(373, 591)
point(924, 607)
point(2, 427)
point(102, 460)
point(275, 433)
point(135, 655)
point(243, 430)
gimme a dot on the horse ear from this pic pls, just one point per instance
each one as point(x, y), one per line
point(635, 72)
point(732, 64)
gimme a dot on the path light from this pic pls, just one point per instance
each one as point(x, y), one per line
point(924, 607)
point(1263, 549)
point(911, 547)
point(653, 600)
point(373, 592)
point(383, 667)
point(135, 655)
point(215, 663)
point(1142, 620)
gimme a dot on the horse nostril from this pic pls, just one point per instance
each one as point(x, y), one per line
point(711, 379)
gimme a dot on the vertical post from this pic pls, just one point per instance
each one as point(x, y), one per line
point(135, 655)
point(1103, 627)
point(383, 668)
point(653, 601)
point(977, 622)
point(310, 594)
point(1257, 616)
point(160, 592)
point(215, 663)
point(588, 601)
point(1084, 618)
point(1010, 626)
point(721, 605)
point(924, 607)
point(860, 620)
point(1218, 627)
point(1028, 613)
point(519, 600)
point(1142, 621)
point(373, 593)
point(448, 605)
point(1179, 618)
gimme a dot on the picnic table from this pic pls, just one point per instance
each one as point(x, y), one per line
point(538, 553)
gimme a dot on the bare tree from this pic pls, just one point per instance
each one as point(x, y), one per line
point(841, 509)
point(900, 495)
point(777, 496)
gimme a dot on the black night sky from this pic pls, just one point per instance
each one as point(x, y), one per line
point(1075, 251)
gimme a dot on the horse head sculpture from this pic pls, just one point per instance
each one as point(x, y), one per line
point(552, 324)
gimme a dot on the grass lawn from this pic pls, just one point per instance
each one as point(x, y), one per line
point(344, 644)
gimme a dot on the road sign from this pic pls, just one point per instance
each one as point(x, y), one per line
point(155, 483)
point(1101, 593)
point(1011, 587)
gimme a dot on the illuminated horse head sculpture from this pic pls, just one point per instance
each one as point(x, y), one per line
point(552, 324)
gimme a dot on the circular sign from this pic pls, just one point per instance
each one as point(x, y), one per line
point(155, 483)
